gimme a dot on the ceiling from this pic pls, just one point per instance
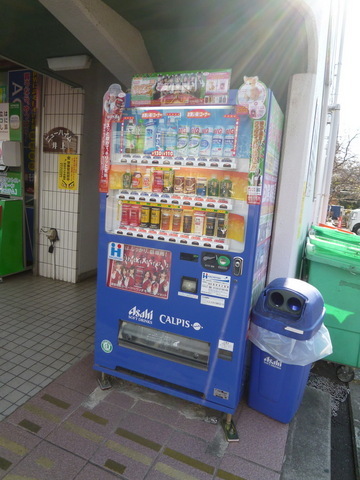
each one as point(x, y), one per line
point(258, 37)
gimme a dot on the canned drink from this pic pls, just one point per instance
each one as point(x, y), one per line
point(182, 140)
point(168, 181)
point(210, 224)
point(145, 216)
point(125, 215)
point(221, 227)
point(217, 145)
point(199, 222)
point(165, 219)
point(176, 221)
point(179, 184)
point(187, 222)
point(190, 185)
point(134, 220)
point(194, 140)
point(206, 141)
point(229, 141)
point(201, 186)
point(225, 189)
point(136, 180)
point(158, 181)
point(155, 216)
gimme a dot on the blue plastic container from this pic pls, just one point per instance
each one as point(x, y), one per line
point(295, 309)
point(276, 388)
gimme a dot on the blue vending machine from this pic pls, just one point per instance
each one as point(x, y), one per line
point(187, 185)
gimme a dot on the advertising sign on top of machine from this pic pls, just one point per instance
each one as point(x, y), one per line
point(181, 88)
point(187, 199)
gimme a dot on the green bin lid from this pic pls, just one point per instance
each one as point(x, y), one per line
point(328, 255)
point(338, 236)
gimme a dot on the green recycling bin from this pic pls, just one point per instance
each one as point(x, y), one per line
point(334, 269)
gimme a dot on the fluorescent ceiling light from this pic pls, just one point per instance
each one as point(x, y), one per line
point(74, 62)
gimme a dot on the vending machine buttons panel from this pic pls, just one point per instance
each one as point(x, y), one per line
point(215, 262)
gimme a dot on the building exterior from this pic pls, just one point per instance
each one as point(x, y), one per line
point(294, 46)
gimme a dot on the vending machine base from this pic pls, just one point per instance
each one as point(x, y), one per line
point(227, 423)
point(229, 428)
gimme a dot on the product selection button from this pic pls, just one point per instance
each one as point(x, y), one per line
point(223, 260)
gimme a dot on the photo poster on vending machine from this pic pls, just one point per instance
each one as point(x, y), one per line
point(187, 193)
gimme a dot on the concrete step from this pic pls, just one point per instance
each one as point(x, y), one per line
point(354, 387)
point(308, 447)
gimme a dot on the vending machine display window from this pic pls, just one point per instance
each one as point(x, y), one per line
point(180, 176)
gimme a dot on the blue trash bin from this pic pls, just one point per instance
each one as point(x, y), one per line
point(292, 309)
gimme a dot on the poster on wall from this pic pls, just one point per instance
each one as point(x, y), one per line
point(4, 122)
point(68, 171)
point(15, 122)
point(23, 89)
point(139, 269)
point(10, 183)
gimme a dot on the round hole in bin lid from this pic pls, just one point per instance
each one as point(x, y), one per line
point(277, 299)
point(295, 305)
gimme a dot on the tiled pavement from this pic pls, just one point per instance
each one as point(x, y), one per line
point(65, 427)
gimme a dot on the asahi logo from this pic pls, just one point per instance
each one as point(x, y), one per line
point(272, 362)
point(142, 316)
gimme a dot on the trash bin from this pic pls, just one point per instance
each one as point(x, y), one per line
point(287, 334)
point(336, 235)
point(333, 265)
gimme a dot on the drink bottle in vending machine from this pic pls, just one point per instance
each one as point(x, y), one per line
point(183, 213)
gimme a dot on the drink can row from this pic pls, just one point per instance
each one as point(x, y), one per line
point(197, 222)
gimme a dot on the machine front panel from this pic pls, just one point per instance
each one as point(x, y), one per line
point(184, 240)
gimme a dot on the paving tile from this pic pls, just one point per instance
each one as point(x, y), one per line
point(46, 462)
point(124, 458)
point(146, 427)
point(133, 448)
point(156, 411)
point(121, 399)
point(92, 472)
point(192, 448)
point(197, 426)
point(262, 440)
point(81, 376)
point(86, 429)
point(167, 467)
point(44, 412)
point(15, 444)
point(243, 470)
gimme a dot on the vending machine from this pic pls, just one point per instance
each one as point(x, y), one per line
point(12, 227)
point(187, 186)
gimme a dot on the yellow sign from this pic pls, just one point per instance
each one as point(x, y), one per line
point(68, 172)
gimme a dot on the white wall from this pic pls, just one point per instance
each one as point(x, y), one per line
point(63, 107)
point(303, 141)
point(73, 214)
